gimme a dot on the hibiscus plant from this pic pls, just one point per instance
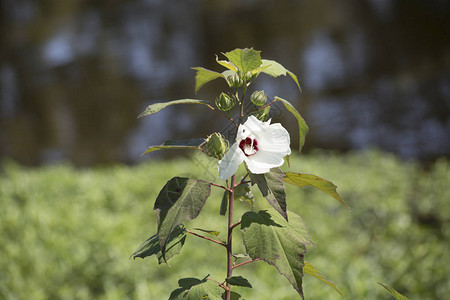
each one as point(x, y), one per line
point(277, 236)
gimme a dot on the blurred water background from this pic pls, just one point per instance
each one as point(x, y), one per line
point(74, 74)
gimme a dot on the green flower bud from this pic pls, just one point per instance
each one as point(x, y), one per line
point(262, 114)
point(224, 102)
point(215, 145)
point(248, 77)
point(258, 98)
point(235, 81)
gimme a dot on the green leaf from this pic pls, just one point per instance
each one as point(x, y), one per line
point(243, 193)
point(311, 270)
point(393, 292)
point(279, 243)
point(180, 144)
point(238, 281)
point(244, 59)
point(227, 73)
point(294, 77)
point(226, 64)
point(239, 256)
point(212, 232)
point(303, 128)
point(196, 289)
point(181, 199)
point(272, 188)
point(154, 108)
point(275, 69)
point(204, 76)
point(235, 296)
point(224, 203)
point(151, 245)
point(302, 179)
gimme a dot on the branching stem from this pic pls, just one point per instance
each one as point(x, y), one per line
point(246, 262)
point(259, 108)
point(206, 238)
point(220, 113)
point(221, 186)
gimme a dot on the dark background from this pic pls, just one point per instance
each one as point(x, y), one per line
point(74, 74)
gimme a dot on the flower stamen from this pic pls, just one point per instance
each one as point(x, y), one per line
point(249, 146)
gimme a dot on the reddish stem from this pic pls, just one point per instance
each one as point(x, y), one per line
point(229, 238)
point(221, 186)
point(246, 262)
point(206, 238)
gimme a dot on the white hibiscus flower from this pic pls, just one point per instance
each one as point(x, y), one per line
point(260, 145)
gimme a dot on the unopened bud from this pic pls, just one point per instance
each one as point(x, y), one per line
point(234, 80)
point(224, 102)
point(258, 98)
point(215, 145)
point(248, 77)
point(262, 114)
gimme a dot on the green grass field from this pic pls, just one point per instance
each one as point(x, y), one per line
point(68, 233)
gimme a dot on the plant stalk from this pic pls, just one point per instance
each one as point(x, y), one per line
point(230, 238)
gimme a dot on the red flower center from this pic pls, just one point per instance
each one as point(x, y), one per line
point(249, 146)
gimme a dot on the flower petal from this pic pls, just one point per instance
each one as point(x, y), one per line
point(251, 127)
point(263, 161)
point(230, 162)
point(273, 146)
point(275, 139)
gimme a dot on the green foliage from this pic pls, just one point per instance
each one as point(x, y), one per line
point(195, 289)
point(245, 60)
point(277, 242)
point(154, 108)
point(238, 281)
point(275, 69)
point(152, 246)
point(63, 231)
point(303, 128)
point(204, 76)
point(181, 199)
point(393, 292)
point(181, 144)
point(301, 180)
point(311, 270)
point(272, 188)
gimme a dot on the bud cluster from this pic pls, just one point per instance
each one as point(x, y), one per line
point(225, 102)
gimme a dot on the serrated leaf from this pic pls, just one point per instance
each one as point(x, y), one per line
point(203, 76)
point(311, 270)
point(393, 292)
point(226, 64)
point(151, 245)
point(181, 199)
point(279, 243)
point(302, 179)
point(238, 281)
point(176, 145)
point(154, 108)
point(272, 188)
point(212, 232)
point(302, 126)
point(244, 59)
point(275, 69)
point(197, 289)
